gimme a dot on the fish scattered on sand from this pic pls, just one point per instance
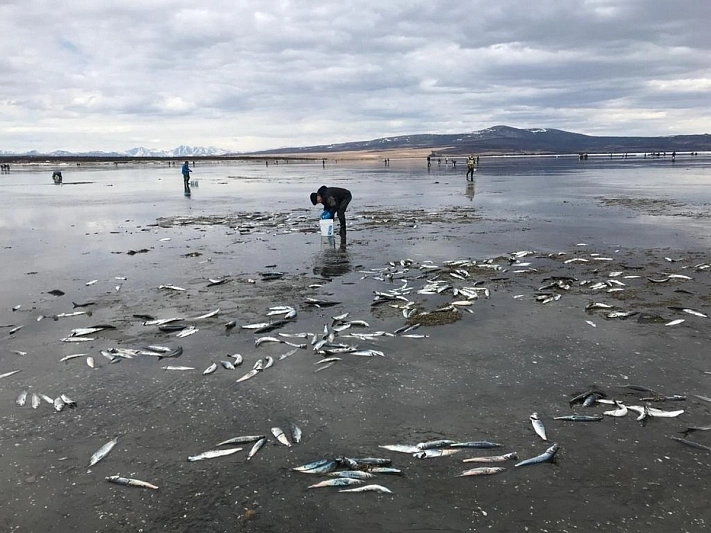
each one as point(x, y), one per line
point(280, 436)
point(483, 471)
point(210, 369)
point(118, 480)
point(337, 482)
point(102, 452)
point(492, 458)
point(369, 488)
point(545, 457)
point(538, 426)
point(211, 454)
point(256, 447)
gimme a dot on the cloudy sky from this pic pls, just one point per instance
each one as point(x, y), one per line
point(246, 75)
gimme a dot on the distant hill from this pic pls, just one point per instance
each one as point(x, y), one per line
point(143, 153)
point(505, 139)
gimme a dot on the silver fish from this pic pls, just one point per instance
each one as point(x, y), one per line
point(441, 443)
point(130, 482)
point(280, 436)
point(579, 418)
point(268, 362)
point(295, 433)
point(78, 339)
point(249, 375)
point(483, 471)
point(187, 331)
point(171, 367)
point(262, 340)
point(210, 369)
point(58, 404)
point(240, 440)
point(35, 401)
point(8, 374)
point(437, 452)
point(619, 412)
point(171, 287)
point(206, 315)
point(21, 398)
point(227, 365)
point(102, 452)
point(46, 398)
point(368, 488)
point(72, 356)
point(538, 426)
point(15, 330)
point(211, 454)
point(257, 446)
point(68, 401)
point(402, 448)
point(692, 444)
point(322, 466)
point(238, 359)
point(482, 444)
point(353, 474)
point(337, 482)
point(492, 458)
point(543, 458)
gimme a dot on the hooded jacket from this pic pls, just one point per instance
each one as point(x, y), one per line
point(333, 197)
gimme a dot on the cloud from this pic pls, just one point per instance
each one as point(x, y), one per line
point(251, 75)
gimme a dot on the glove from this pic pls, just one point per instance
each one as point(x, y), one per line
point(326, 215)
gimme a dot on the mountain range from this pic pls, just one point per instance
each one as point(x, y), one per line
point(494, 140)
point(508, 140)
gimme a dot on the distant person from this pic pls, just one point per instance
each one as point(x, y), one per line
point(335, 201)
point(429, 162)
point(470, 167)
point(674, 155)
point(186, 177)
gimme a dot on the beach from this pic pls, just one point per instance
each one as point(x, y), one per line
point(125, 247)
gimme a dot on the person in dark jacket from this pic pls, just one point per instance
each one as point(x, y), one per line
point(186, 170)
point(335, 200)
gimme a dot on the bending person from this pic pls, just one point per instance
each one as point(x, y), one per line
point(335, 200)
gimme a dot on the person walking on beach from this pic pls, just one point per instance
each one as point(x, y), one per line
point(470, 167)
point(335, 201)
point(186, 177)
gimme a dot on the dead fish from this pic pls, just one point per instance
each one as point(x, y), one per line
point(214, 282)
point(483, 471)
point(240, 440)
point(295, 433)
point(15, 330)
point(206, 315)
point(660, 413)
point(102, 452)
point(8, 374)
point(170, 367)
point(230, 324)
point(90, 362)
point(538, 426)
point(187, 331)
point(72, 356)
point(692, 444)
point(211, 454)
point(228, 365)
point(46, 398)
point(56, 292)
point(619, 412)
point(337, 482)
point(21, 398)
point(257, 446)
point(402, 448)
point(369, 488)
point(675, 322)
point(598, 305)
point(238, 359)
point(58, 404)
point(68, 401)
point(118, 480)
point(262, 340)
point(492, 458)
point(579, 418)
point(437, 452)
point(280, 436)
point(210, 369)
point(78, 339)
point(545, 457)
point(171, 287)
point(35, 401)
point(481, 444)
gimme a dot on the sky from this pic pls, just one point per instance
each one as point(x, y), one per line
point(248, 75)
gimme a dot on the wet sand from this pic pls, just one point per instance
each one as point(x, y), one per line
point(478, 376)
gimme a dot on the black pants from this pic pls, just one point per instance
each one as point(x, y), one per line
point(341, 214)
point(186, 182)
point(470, 172)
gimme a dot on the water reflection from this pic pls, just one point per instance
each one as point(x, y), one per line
point(469, 192)
point(331, 262)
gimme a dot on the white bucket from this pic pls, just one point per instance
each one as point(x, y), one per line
point(326, 227)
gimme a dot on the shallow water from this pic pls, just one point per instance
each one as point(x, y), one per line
point(479, 378)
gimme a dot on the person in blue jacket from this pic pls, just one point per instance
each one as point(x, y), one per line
point(186, 177)
point(335, 201)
